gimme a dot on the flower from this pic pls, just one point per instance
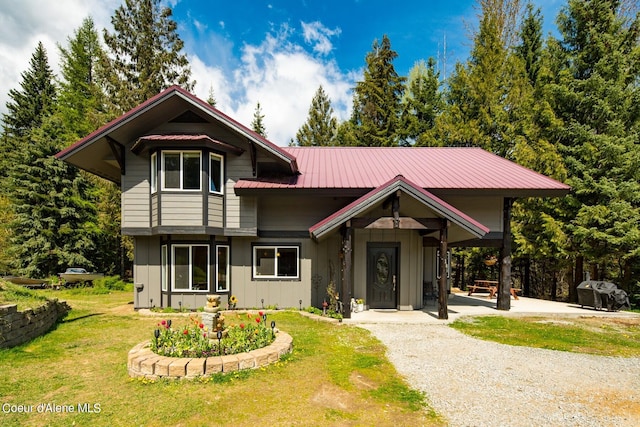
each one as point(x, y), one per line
point(257, 320)
point(164, 322)
point(201, 325)
point(241, 325)
point(233, 300)
point(186, 332)
point(261, 313)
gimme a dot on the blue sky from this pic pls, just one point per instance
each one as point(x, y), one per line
point(274, 52)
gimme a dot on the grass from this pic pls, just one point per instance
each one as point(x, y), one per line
point(23, 297)
point(614, 336)
point(337, 375)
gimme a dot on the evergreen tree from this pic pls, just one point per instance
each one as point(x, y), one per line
point(30, 105)
point(422, 102)
point(257, 124)
point(144, 54)
point(81, 99)
point(54, 222)
point(82, 111)
point(211, 99)
point(321, 125)
point(595, 95)
point(485, 94)
point(530, 47)
point(376, 113)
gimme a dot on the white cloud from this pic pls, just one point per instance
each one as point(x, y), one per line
point(319, 36)
point(283, 77)
point(23, 24)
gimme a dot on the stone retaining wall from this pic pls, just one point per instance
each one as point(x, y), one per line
point(18, 327)
point(142, 362)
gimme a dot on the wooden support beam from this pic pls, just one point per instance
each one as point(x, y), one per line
point(504, 287)
point(407, 223)
point(443, 312)
point(347, 275)
point(118, 152)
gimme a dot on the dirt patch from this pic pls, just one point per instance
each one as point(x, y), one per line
point(333, 397)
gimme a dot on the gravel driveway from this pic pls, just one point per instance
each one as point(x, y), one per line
point(479, 383)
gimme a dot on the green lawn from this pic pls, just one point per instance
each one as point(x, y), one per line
point(337, 375)
point(615, 336)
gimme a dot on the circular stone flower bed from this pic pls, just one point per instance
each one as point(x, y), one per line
point(143, 362)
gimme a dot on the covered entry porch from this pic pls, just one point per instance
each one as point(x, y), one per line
point(394, 239)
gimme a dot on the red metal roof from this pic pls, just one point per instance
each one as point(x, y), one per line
point(428, 167)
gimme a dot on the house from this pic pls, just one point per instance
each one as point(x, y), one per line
point(215, 208)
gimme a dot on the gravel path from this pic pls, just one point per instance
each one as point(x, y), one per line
point(479, 383)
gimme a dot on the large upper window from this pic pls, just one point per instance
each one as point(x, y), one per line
point(181, 170)
point(215, 173)
point(270, 262)
point(190, 267)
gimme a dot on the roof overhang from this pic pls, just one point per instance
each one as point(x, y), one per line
point(379, 195)
point(150, 142)
point(101, 151)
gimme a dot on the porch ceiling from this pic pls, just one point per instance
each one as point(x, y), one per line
point(378, 196)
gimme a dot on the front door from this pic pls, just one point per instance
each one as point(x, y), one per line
point(382, 275)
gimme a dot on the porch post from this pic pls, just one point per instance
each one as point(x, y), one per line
point(504, 286)
point(443, 312)
point(347, 249)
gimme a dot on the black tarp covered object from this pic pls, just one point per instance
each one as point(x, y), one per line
point(599, 294)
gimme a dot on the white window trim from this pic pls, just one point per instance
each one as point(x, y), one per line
point(173, 269)
point(275, 269)
point(164, 268)
point(163, 169)
point(154, 173)
point(221, 158)
point(218, 289)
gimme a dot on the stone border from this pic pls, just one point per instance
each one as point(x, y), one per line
point(142, 362)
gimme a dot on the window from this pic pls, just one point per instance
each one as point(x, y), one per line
point(222, 265)
point(215, 174)
point(164, 272)
point(181, 170)
point(191, 267)
point(154, 173)
point(276, 262)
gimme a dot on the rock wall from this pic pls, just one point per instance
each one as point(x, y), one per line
point(17, 327)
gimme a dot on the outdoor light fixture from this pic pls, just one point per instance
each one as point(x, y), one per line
point(273, 327)
point(264, 317)
point(219, 336)
point(262, 302)
point(300, 305)
point(151, 302)
point(180, 305)
point(168, 323)
point(156, 334)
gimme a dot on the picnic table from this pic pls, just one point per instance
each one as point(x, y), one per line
point(491, 286)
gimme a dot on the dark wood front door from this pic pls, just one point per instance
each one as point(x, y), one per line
point(382, 275)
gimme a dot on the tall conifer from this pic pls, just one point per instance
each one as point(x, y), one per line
point(321, 125)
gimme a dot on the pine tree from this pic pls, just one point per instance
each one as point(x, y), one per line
point(596, 97)
point(211, 99)
point(422, 102)
point(81, 99)
point(530, 47)
point(257, 124)
point(30, 105)
point(53, 225)
point(376, 113)
point(82, 111)
point(321, 125)
point(144, 54)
